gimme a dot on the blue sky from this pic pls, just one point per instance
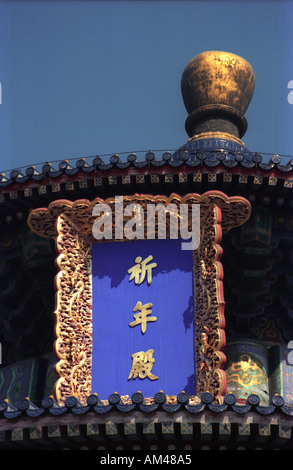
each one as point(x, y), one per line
point(85, 78)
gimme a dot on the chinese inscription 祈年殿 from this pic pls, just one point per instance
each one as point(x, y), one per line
point(143, 361)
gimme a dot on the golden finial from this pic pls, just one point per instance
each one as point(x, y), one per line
point(217, 88)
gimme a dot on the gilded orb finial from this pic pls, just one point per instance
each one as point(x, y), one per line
point(217, 88)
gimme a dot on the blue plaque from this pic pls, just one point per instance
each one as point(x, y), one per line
point(143, 318)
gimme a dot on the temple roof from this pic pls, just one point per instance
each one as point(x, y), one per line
point(217, 88)
point(209, 155)
point(157, 426)
point(160, 402)
point(214, 157)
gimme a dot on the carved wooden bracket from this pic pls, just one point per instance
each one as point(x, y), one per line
point(73, 312)
point(70, 224)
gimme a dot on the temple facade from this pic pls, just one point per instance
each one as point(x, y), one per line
point(62, 351)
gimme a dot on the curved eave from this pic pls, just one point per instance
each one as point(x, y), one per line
point(161, 423)
point(203, 160)
point(137, 402)
point(233, 174)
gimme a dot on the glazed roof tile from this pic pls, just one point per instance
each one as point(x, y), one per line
point(48, 405)
point(209, 158)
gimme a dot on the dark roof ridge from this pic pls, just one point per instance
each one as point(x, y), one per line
point(137, 402)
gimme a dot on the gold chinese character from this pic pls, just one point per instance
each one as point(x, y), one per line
point(139, 270)
point(142, 317)
point(142, 364)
